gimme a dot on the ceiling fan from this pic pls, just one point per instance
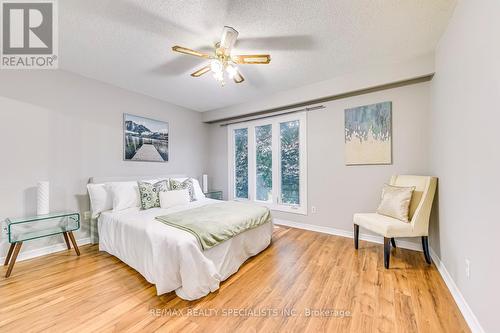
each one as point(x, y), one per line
point(222, 61)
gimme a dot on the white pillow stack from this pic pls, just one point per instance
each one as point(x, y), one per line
point(117, 196)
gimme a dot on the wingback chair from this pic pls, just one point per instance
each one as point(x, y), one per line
point(419, 214)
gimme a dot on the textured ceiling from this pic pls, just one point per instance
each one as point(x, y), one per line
point(127, 43)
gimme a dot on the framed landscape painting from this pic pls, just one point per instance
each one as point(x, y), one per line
point(144, 139)
point(368, 134)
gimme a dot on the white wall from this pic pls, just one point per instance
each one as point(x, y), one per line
point(465, 142)
point(65, 128)
point(337, 190)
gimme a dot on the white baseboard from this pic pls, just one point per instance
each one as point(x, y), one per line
point(46, 250)
point(469, 316)
point(348, 234)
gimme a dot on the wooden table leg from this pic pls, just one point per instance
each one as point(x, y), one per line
point(66, 240)
point(11, 248)
point(73, 241)
point(14, 257)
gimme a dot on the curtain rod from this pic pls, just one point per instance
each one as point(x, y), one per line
point(312, 108)
point(396, 84)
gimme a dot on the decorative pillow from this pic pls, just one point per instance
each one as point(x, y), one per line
point(125, 195)
point(396, 202)
point(187, 184)
point(174, 198)
point(149, 193)
point(100, 199)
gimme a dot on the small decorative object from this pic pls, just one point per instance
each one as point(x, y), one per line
point(205, 183)
point(368, 134)
point(145, 139)
point(42, 198)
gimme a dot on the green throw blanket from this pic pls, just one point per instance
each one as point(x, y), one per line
point(214, 224)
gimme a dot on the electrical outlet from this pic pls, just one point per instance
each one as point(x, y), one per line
point(467, 268)
point(313, 209)
point(86, 215)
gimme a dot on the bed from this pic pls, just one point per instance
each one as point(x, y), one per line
point(170, 258)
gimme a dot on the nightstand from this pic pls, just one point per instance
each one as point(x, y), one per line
point(34, 227)
point(215, 194)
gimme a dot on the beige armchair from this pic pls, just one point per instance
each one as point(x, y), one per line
point(420, 210)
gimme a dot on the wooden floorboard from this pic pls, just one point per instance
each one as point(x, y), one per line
point(301, 273)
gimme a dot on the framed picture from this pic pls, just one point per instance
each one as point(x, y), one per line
point(368, 134)
point(144, 139)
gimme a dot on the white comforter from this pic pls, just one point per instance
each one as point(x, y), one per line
point(171, 258)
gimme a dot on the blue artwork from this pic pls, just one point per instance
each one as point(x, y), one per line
point(145, 139)
point(368, 134)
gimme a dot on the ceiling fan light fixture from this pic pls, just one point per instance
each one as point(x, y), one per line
point(231, 71)
point(216, 66)
point(222, 62)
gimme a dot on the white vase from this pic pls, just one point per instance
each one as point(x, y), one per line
point(43, 196)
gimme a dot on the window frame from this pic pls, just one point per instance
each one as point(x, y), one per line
point(276, 203)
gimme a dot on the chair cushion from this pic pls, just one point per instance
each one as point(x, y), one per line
point(384, 225)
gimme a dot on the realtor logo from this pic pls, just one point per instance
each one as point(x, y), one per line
point(29, 35)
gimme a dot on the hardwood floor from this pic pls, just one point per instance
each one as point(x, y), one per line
point(301, 270)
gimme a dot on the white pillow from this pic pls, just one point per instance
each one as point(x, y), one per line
point(125, 195)
point(174, 198)
point(100, 199)
point(198, 193)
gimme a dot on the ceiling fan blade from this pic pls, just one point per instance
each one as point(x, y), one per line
point(228, 39)
point(251, 59)
point(201, 71)
point(238, 78)
point(185, 50)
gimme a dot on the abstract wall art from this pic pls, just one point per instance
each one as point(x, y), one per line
point(368, 134)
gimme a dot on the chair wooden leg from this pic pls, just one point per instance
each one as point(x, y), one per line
point(13, 259)
point(66, 240)
point(393, 242)
point(387, 251)
point(425, 247)
point(73, 241)
point(9, 254)
point(356, 236)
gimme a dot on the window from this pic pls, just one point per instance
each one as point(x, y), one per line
point(241, 163)
point(267, 162)
point(290, 162)
point(264, 163)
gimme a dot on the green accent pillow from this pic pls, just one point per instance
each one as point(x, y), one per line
point(176, 185)
point(150, 193)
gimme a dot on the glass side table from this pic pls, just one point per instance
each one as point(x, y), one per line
point(215, 194)
point(34, 227)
